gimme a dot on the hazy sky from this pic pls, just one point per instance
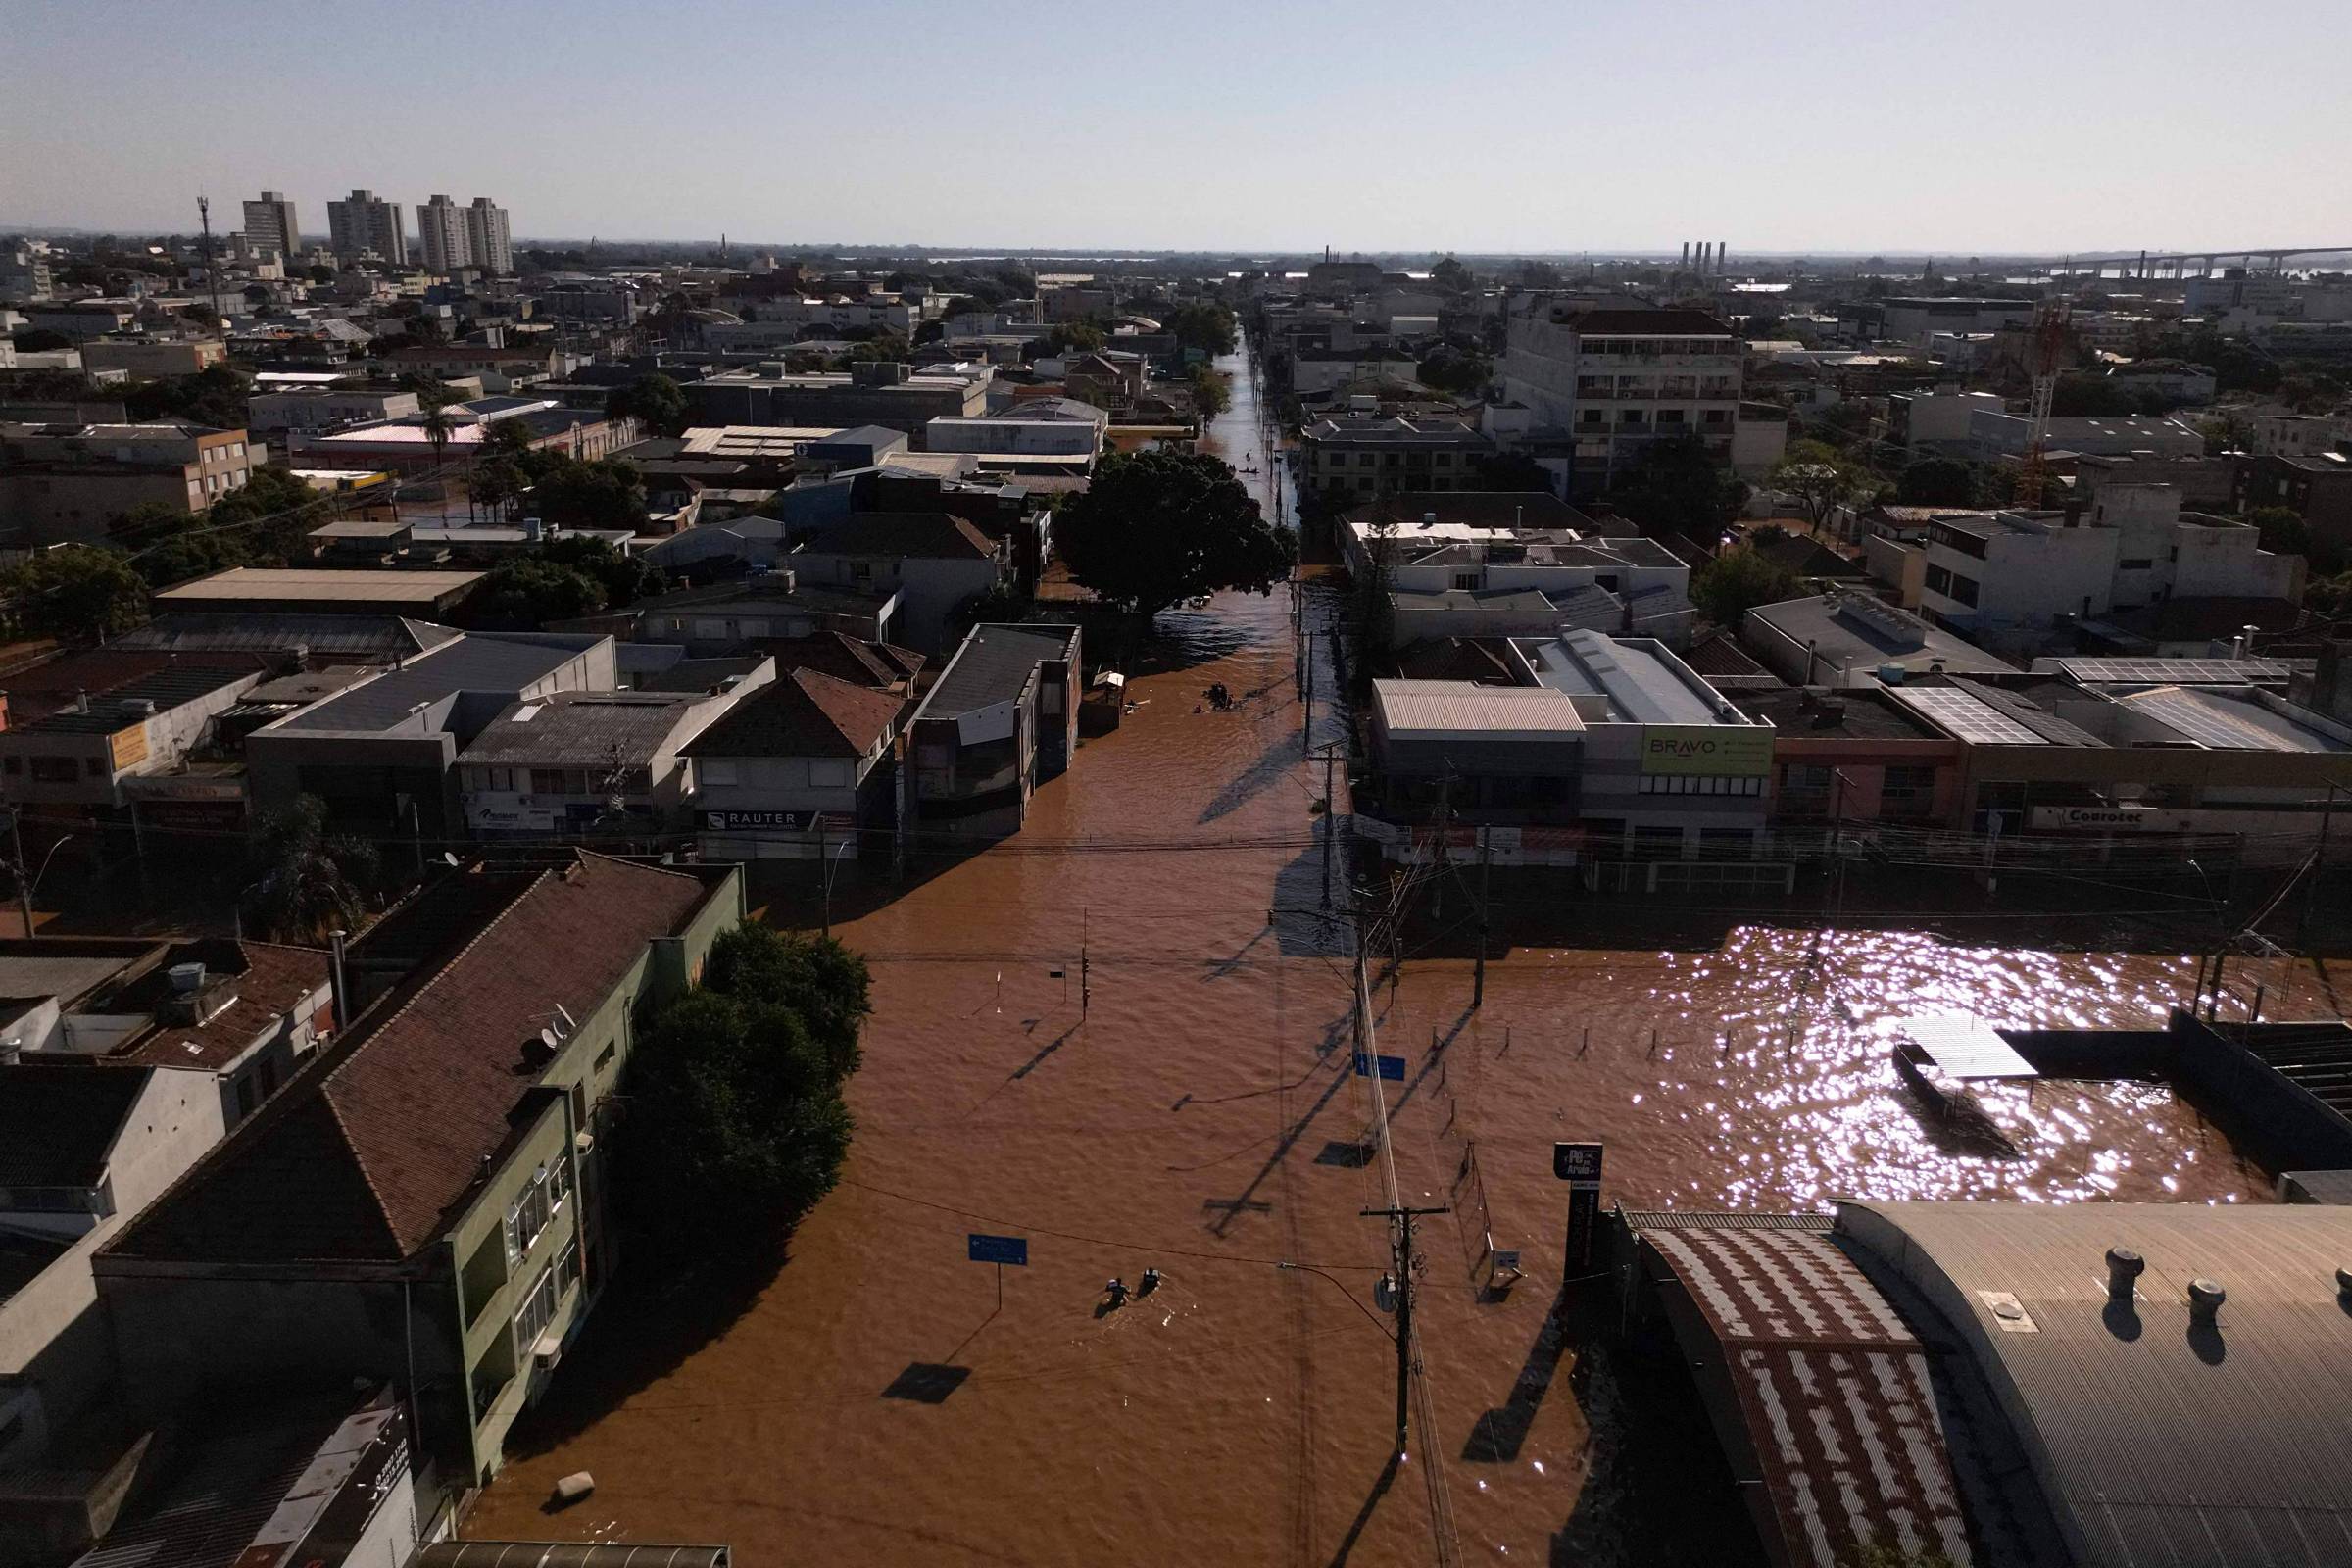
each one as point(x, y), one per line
point(1956, 127)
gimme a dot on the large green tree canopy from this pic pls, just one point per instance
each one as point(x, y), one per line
point(1155, 528)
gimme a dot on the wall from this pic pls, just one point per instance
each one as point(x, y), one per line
point(52, 1332)
point(929, 588)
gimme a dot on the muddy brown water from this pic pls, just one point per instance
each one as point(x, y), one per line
point(874, 1403)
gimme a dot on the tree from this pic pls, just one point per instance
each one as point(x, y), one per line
point(881, 346)
point(282, 507)
point(1460, 370)
point(567, 493)
point(439, 426)
point(1159, 526)
point(622, 578)
point(1203, 325)
point(1678, 488)
point(215, 396)
point(1818, 476)
point(1937, 482)
point(1451, 276)
point(532, 590)
point(1737, 581)
point(1513, 470)
point(736, 1124)
point(496, 483)
point(2283, 530)
point(655, 400)
point(310, 879)
point(2225, 430)
point(1210, 393)
point(74, 593)
point(1078, 337)
point(40, 340)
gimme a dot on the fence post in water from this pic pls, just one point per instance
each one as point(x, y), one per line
point(1587, 1045)
point(1653, 1041)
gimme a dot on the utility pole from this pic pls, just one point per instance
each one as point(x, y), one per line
point(1437, 883)
point(2319, 865)
point(1486, 866)
point(1331, 826)
point(1085, 990)
point(15, 839)
point(1403, 1245)
point(1306, 700)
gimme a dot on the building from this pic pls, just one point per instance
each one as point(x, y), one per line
point(1913, 318)
point(87, 1146)
point(2023, 580)
point(366, 224)
point(300, 591)
point(1617, 379)
point(740, 616)
point(2316, 488)
point(489, 239)
point(1505, 563)
point(1840, 639)
point(501, 367)
point(874, 392)
point(1359, 457)
point(326, 1239)
point(75, 765)
point(382, 753)
point(1002, 719)
point(25, 273)
point(1856, 755)
point(271, 227)
point(152, 358)
point(935, 564)
point(1937, 420)
point(317, 411)
point(574, 762)
point(66, 484)
point(802, 769)
point(404, 445)
point(2276, 432)
point(1038, 427)
point(444, 242)
point(1993, 434)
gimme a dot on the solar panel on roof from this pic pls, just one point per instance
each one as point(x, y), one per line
point(1965, 716)
point(2176, 671)
point(2207, 724)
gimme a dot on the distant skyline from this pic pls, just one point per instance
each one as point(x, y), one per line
point(1805, 127)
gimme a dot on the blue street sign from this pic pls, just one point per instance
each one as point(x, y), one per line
point(1013, 1250)
point(1391, 1068)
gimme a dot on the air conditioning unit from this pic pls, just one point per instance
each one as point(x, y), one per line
point(547, 1351)
point(584, 1143)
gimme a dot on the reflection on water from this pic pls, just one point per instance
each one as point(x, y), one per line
point(1091, 1036)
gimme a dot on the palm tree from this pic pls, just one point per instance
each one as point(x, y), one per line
point(309, 881)
point(438, 426)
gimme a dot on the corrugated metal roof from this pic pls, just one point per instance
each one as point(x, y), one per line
point(591, 728)
point(568, 1554)
point(1421, 709)
point(2157, 1440)
point(1834, 1391)
point(476, 662)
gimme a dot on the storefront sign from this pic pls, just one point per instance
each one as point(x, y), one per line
point(2110, 818)
point(1706, 751)
point(127, 746)
point(750, 822)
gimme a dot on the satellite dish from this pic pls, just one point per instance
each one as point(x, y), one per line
point(550, 1038)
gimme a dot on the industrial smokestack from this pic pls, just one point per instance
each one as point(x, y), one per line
point(2124, 1268)
point(1685, 255)
point(1719, 256)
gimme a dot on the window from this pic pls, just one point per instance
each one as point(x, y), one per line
point(54, 770)
point(1964, 589)
point(246, 1098)
point(567, 1270)
point(2136, 563)
point(1467, 581)
point(537, 1311)
point(528, 1215)
point(1938, 579)
point(556, 781)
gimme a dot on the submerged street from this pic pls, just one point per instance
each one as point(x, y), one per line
point(1123, 1034)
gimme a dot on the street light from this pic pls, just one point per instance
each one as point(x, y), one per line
point(27, 886)
point(833, 868)
point(2220, 941)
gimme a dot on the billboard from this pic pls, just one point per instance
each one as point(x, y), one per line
point(1706, 751)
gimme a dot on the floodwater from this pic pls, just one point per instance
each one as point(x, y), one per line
point(876, 1403)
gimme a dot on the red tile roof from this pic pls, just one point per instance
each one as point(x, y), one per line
point(274, 979)
point(806, 713)
point(367, 1152)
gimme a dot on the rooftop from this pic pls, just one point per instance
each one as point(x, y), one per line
point(480, 662)
point(58, 1122)
point(804, 713)
point(1451, 709)
point(581, 729)
point(994, 665)
point(370, 1150)
point(264, 982)
point(1638, 681)
point(307, 586)
point(372, 638)
point(167, 689)
point(2215, 1444)
point(932, 535)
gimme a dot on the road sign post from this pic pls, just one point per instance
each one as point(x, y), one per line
point(1578, 1165)
point(1000, 1250)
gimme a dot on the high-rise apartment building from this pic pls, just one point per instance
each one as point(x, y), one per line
point(442, 236)
point(269, 224)
point(365, 222)
point(487, 234)
point(1617, 378)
